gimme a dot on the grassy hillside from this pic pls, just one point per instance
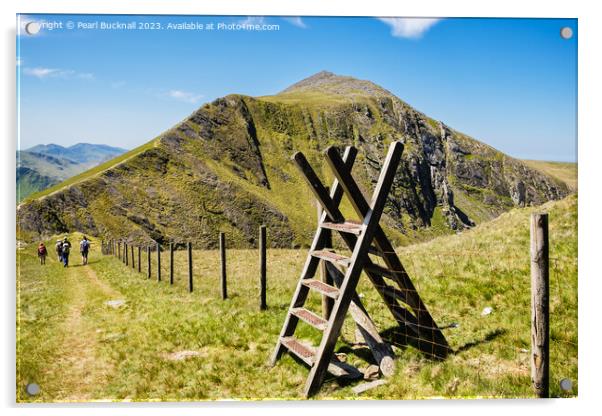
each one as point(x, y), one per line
point(30, 181)
point(92, 172)
point(227, 167)
point(77, 348)
point(564, 171)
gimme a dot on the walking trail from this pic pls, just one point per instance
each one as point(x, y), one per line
point(81, 369)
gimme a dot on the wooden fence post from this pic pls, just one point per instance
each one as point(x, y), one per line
point(540, 306)
point(262, 268)
point(119, 250)
point(171, 263)
point(148, 257)
point(190, 285)
point(126, 255)
point(133, 261)
point(158, 262)
point(222, 249)
point(139, 260)
point(327, 303)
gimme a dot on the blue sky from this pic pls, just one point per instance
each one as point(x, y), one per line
point(511, 83)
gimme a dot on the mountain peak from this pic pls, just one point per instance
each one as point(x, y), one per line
point(331, 83)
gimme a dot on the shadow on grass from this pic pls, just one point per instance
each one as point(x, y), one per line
point(402, 337)
point(490, 336)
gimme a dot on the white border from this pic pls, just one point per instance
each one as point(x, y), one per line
point(590, 154)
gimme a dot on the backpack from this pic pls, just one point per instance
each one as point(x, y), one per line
point(41, 250)
point(84, 245)
point(66, 247)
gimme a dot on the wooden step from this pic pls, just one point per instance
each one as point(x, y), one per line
point(304, 352)
point(323, 288)
point(350, 227)
point(307, 354)
point(332, 257)
point(311, 318)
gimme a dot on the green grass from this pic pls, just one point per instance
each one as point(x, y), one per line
point(77, 348)
point(564, 171)
point(92, 172)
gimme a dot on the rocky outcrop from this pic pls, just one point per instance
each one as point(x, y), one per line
point(227, 168)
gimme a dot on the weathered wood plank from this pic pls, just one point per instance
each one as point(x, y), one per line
point(262, 268)
point(190, 282)
point(381, 351)
point(411, 297)
point(540, 305)
point(327, 301)
point(158, 262)
point(148, 258)
point(359, 256)
point(311, 263)
point(361, 388)
point(325, 289)
point(223, 276)
point(171, 265)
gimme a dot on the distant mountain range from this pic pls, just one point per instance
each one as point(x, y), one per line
point(45, 165)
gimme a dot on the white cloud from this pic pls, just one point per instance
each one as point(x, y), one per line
point(118, 84)
point(409, 27)
point(253, 20)
point(42, 73)
point(185, 96)
point(296, 21)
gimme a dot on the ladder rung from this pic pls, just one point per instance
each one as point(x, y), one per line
point(345, 227)
point(310, 317)
point(323, 288)
point(307, 354)
point(332, 257)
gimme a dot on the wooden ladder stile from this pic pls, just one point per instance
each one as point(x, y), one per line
point(362, 238)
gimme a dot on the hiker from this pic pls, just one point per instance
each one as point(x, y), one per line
point(65, 248)
point(42, 253)
point(58, 247)
point(84, 247)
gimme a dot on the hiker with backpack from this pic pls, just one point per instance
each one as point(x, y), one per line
point(42, 253)
point(58, 247)
point(84, 248)
point(65, 249)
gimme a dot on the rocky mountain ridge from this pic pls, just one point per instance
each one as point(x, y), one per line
point(227, 167)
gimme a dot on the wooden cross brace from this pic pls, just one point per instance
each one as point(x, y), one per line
point(359, 239)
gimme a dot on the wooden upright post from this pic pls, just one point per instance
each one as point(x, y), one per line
point(133, 261)
point(139, 258)
point(119, 250)
point(171, 263)
point(126, 255)
point(190, 283)
point(262, 268)
point(327, 302)
point(158, 262)
point(540, 305)
point(222, 249)
point(148, 258)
